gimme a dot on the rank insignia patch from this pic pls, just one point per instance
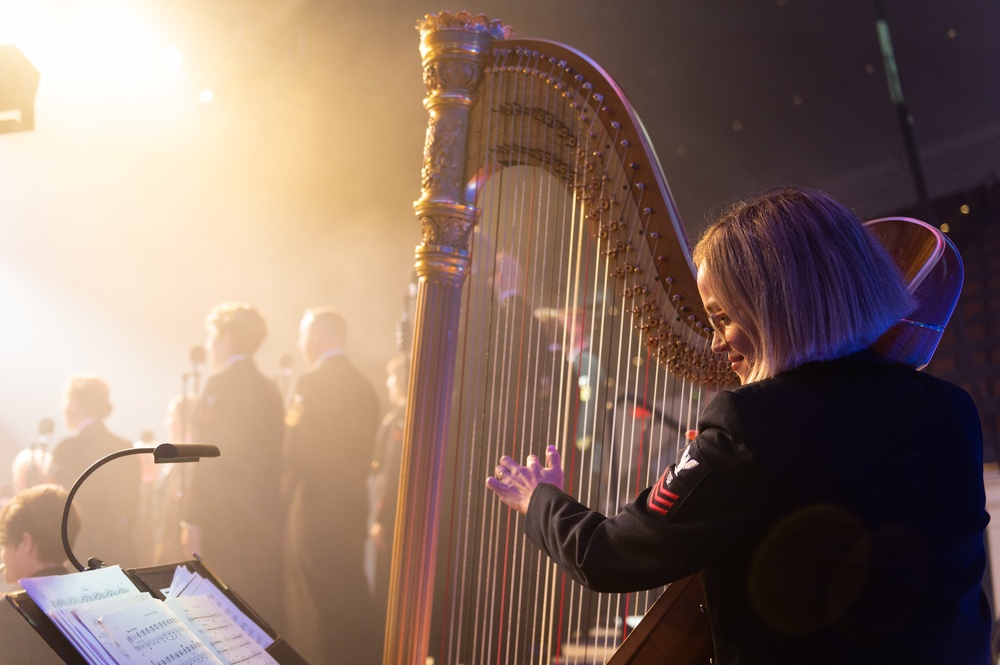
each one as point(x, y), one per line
point(678, 481)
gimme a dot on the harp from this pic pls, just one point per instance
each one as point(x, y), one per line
point(933, 271)
point(555, 303)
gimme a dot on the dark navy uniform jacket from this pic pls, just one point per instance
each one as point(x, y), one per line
point(836, 511)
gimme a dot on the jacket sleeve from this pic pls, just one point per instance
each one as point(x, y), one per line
point(710, 501)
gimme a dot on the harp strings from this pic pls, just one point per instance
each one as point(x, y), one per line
point(550, 353)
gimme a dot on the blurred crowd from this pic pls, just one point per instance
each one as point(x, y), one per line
point(295, 515)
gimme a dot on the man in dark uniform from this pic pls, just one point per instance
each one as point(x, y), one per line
point(233, 516)
point(332, 423)
point(108, 501)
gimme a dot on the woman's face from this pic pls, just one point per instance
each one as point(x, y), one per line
point(729, 337)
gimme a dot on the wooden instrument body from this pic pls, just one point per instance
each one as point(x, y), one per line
point(549, 235)
point(674, 629)
point(932, 268)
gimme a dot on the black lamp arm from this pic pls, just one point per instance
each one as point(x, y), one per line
point(163, 453)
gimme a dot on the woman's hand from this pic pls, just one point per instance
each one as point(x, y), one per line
point(514, 483)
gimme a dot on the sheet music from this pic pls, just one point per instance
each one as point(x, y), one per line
point(149, 632)
point(110, 622)
point(228, 641)
point(88, 644)
point(86, 619)
point(58, 595)
point(182, 578)
point(61, 591)
point(188, 583)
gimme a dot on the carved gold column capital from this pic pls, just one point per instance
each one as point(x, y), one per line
point(464, 22)
point(453, 48)
point(446, 224)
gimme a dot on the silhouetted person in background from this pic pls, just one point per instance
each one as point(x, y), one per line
point(232, 514)
point(31, 465)
point(332, 422)
point(383, 484)
point(149, 476)
point(166, 500)
point(108, 501)
point(31, 533)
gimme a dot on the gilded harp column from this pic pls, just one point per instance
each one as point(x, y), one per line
point(453, 49)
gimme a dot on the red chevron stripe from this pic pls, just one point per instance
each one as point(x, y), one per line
point(666, 505)
point(663, 491)
point(661, 499)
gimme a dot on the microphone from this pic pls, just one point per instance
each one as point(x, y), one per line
point(45, 428)
point(197, 355)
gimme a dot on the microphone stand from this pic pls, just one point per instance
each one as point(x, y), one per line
point(197, 358)
point(38, 451)
point(284, 379)
point(165, 453)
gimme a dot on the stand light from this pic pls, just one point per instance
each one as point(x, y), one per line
point(165, 453)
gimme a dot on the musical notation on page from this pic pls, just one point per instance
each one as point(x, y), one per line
point(59, 596)
point(150, 632)
point(230, 643)
point(190, 584)
point(110, 622)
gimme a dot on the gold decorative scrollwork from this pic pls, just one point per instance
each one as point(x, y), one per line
point(446, 230)
point(442, 157)
point(451, 75)
point(466, 22)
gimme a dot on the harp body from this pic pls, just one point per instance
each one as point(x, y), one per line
point(556, 303)
point(933, 271)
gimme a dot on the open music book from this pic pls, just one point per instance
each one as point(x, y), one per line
point(111, 622)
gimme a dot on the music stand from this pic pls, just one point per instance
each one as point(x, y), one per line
point(152, 580)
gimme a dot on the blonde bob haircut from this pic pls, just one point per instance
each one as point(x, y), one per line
point(803, 278)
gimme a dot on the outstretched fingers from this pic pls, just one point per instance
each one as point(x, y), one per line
point(514, 484)
point(553, 473)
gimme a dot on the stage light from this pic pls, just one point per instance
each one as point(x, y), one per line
point(171, 58)
point(18, 84)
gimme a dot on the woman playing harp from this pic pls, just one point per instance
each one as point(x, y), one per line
point(834, 502)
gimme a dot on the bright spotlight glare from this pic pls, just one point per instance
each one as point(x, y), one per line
point(22, 23)
point(172, 58)
point(118, 41)
point(206, 96)
point(97, 44)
